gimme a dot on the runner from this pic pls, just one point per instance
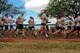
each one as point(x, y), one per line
point(31, 26)
point(11, 21)
point(70, 26)
point(6, 21)
point(74, 30)
point(44, 19)
point(60, 26)
point(77, 26)
point(1, 23)
point(31, 23)
point(19, 23)
point(1, 26)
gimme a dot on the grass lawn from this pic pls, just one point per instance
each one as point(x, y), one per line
point(40, 47)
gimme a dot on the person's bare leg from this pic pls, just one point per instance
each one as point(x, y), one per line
point(46, 32)
point(75, 32)
point(56, 31)
point(42, 29)
point(64, 33)
point(69, 31)
point(23, 32)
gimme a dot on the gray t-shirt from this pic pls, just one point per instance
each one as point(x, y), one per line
point(6, 21)
point(43, 18)
point(31, 22)
point(20, 20)
point(11, 21)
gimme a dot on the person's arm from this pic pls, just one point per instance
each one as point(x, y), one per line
point(72, 19)
point(43, 16)
point(13, 21)
point(24, 19)
point(29, 21)
point(19, 19)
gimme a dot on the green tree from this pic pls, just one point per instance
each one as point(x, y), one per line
point(63, 8)
point(6, 8)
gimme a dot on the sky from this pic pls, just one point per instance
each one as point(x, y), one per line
point(32, 8)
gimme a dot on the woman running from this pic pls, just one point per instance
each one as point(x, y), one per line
point(1, 26)
point(74, 29)
point(31, 23)
point(76, 26)
point(11, 21)
point(31, 26)
point(44, 19)
point(70, 26)
point(6, 21)
point(60, 26)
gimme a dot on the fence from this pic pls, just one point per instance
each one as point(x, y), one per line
point(37, 26)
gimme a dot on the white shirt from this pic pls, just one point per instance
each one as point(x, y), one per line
point(31, 22)
point(61, 22)
point(43, 17)
point(20, 20)
point(11, 21)
point(6, 21)
point(76, 21)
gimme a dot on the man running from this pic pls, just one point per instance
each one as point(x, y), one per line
point(19, 23)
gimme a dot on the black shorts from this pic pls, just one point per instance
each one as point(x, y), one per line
point(6, 27)
point(30, 27)
point(47, 27)
point(57, 27)
point(43, 23)
point(17, 27)
point(75, 28)
point(69, 27)
point(1, 27)
point(20, 26)
point(62, 28)
point(11, 26)
point(78, 27)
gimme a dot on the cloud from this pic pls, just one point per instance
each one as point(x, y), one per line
point(36, 5)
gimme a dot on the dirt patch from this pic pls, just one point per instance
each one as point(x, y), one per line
point(36, 40)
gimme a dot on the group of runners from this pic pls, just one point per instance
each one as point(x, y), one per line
point(64, 25)
point(68, 25)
